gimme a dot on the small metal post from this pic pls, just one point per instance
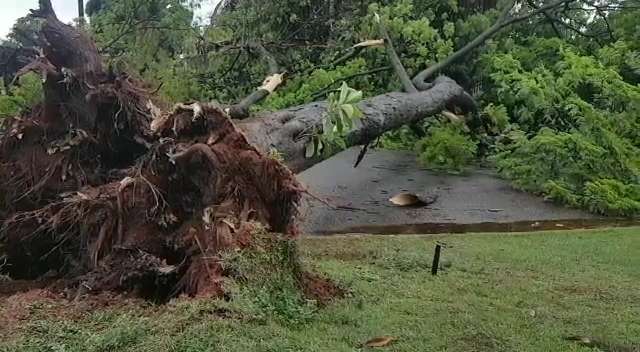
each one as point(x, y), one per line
point(436, 260)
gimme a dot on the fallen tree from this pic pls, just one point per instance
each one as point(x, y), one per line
point(106, 188)
point(288, 131)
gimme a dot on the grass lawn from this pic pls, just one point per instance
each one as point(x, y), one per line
point(500, 293)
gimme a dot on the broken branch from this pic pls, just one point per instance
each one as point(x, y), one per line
point(270, 84)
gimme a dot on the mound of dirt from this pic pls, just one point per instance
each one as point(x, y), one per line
point(320, 289)
point(103, 191)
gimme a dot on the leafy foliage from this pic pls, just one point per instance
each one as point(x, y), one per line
point(149, 37)
point(446, 148)
point(342, 113)
point(306, 89)
point(576, 137)
point(404, 138)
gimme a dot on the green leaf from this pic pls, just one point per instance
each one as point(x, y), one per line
point(349, 123)
point(348, 110)
point(353, 97)
point(344, 91)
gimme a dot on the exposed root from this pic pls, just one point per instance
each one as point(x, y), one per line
point(164, 224)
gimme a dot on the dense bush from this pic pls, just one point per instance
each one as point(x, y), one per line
point(575, 136)
point(447, 148)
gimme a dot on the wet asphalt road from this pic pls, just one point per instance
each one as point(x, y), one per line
point(479, 197)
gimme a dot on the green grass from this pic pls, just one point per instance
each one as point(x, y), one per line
point(501, 293)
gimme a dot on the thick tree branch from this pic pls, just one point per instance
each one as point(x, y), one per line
point(395, 60)
point(420, 80)
point(241, 110)
point(216, 12)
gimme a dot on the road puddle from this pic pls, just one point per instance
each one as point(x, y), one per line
point(518, 226)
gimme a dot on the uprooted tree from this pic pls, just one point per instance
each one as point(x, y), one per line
point(107, 188)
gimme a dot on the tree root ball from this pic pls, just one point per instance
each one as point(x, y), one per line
point(156, 227)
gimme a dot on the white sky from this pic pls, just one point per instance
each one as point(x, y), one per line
point(11, 10)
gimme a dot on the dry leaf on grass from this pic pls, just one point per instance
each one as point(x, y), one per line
point(582, 340)
point(382, 341)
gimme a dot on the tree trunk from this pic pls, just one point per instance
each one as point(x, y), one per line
point(289, 131)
